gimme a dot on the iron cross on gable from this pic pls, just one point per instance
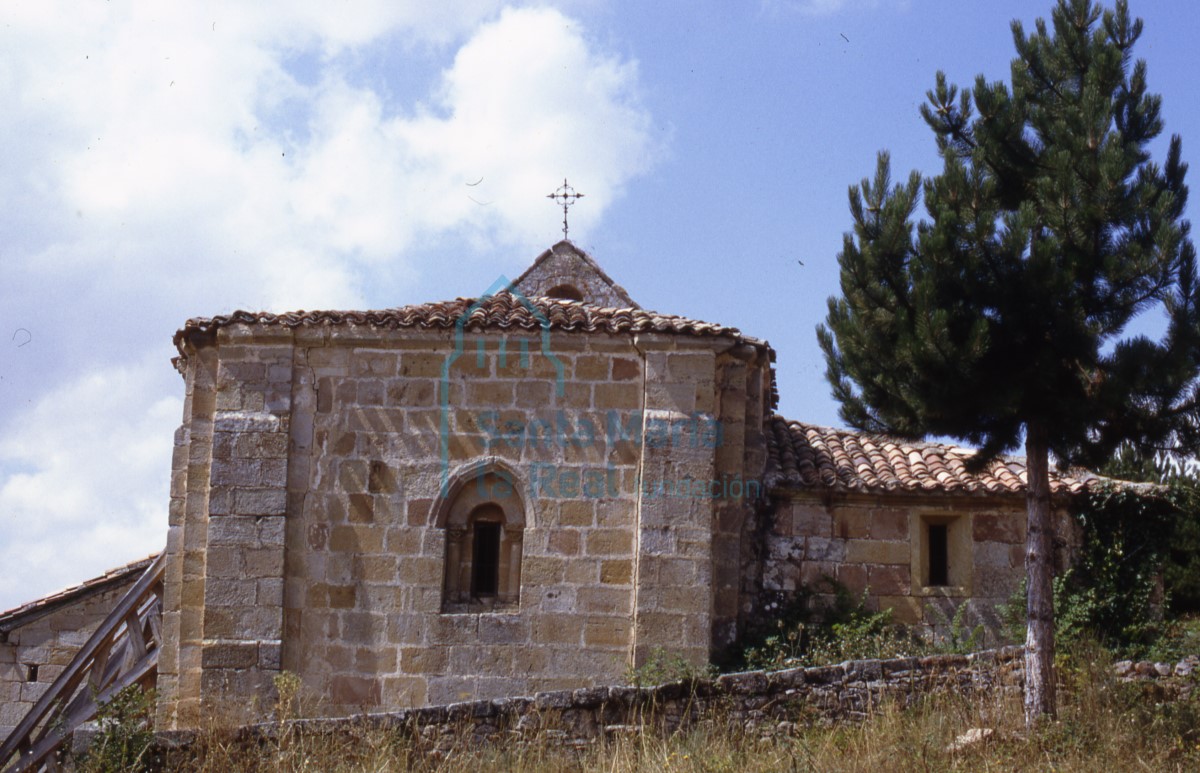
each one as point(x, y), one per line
point(565, 196)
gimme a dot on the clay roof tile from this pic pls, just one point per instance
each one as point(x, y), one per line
point(806, 456)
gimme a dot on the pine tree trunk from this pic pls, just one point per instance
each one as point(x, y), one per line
point(1039, 571)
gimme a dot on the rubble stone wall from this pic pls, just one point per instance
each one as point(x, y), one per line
point(563, 265)
point(764, 702)
point(775, 701)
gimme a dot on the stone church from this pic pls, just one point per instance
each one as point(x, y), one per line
point(530, 490)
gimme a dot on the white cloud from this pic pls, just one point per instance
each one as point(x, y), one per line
point(552, 105)
point(165, 128)
point(525, 100)
point(88, 488)
point(162, 163)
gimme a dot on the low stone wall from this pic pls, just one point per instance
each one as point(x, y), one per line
point(1128, 670)
point(762, 701)
point(773, 701)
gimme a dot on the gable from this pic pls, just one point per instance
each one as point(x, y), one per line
point(564, 271)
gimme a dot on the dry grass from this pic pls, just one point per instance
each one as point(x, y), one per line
point(1102, 722)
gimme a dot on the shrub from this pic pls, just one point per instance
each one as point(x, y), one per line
point(1181, 556)
point(664, 667)
point(1181, 569)
point(807, 632)
point(126, 734)
point(1113, 592)
point(954, 636)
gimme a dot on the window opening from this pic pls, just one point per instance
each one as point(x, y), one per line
point(565, 292)
point(939, 554)
point(485, 560)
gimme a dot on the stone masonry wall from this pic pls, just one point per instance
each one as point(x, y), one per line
point(674, 535)
point(182, 625)
point(873, 544)
point(366, 562)
point(743, 383)
point(46, 645)
point(867, 543)
point(223, 583)
point(247, 505)
point(315, 469)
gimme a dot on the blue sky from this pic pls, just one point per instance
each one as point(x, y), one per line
point(164, 163)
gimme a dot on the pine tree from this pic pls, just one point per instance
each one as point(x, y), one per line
point(1004, 316)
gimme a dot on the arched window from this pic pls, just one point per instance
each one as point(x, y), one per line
point(566, 292)
point(484, 521)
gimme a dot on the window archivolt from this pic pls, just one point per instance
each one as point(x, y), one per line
point(484, 520)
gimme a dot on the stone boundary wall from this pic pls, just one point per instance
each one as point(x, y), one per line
point(764, 701)
point(772, 701)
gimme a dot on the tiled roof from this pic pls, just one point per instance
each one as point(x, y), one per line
point(809, 457)
point(503, 310)
point(35, 609)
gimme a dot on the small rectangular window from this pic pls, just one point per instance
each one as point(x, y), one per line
point(485, 560)
point(939, 554)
